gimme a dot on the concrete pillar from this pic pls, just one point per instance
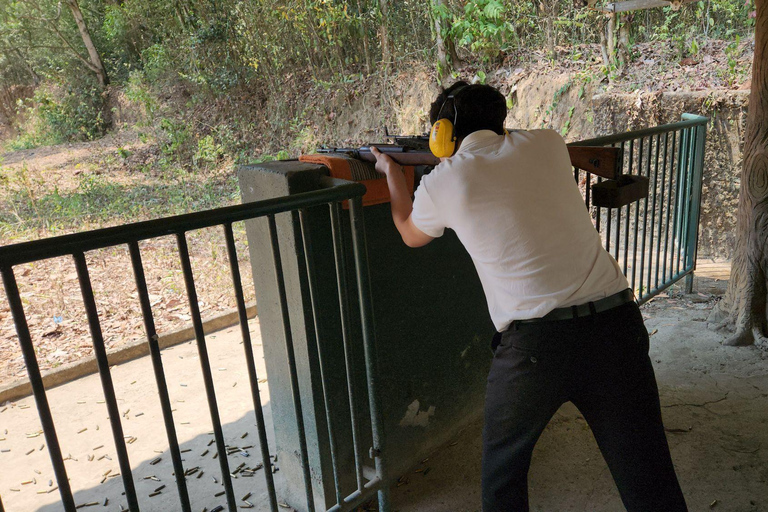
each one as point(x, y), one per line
point(433, 335)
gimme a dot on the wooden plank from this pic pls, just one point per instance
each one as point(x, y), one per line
point(601, 161)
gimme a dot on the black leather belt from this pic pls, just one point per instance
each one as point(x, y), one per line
point(590, 308)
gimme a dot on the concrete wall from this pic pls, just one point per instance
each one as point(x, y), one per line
point(433, 333)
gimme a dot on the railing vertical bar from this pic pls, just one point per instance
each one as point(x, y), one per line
point(641, 277)
point(670, 205)
point(340, 254)
point(607, 224)
point(662, 190)
point(655, 189)
point(687, 227)
point(627, 211)
point(682, 193)
point(676, 217)
point(38, 389)
point(157, 366)
point(636, 234)
point(599, 215)
point(698, 171)
point(688, 196)
point(100, 352)
point(588, 191)
point(359, 246)
point(304, 458)
point(253, 377)
point(618, 222)
point(309, 261)
point(205, 366)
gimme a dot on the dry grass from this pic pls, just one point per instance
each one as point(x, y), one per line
point(71, 188)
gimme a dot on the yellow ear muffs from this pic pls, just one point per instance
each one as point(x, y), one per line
point(442, 142)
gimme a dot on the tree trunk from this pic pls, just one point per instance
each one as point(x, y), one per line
point(98, 67)
point(549, 8)
point(364, 32)
point(32, 73)
point(386, 56)
point(611, 34)
point(624, 51)
point(745, 305)
point(445, 48)
point(604, 48)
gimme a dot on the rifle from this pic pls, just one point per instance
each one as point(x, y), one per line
point(606, 162)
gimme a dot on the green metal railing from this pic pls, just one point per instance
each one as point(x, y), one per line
point(654, 240)
point(331, 195)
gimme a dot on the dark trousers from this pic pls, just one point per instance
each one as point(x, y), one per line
point(601, 364)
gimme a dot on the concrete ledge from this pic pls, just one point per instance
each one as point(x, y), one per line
point(69, 372)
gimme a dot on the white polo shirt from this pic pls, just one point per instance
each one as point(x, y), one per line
point(515, 206)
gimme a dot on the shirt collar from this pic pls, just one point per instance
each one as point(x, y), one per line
point(478, 139)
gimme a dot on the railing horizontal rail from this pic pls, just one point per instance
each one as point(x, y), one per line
point(688, 122)
point(26, 252)
point(654, 239)
point(331, 193)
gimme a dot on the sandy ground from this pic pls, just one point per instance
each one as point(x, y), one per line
point(715, 406)
point(76, 406)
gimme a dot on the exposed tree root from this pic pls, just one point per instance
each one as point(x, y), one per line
point(742, 338)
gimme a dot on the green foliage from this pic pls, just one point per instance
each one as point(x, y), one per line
point(177, 135)
point(208, 152)
point(138, 91)
point(230, 49)
point(97, 200)
point(735, 74)
point(55, 115)
point(485, 28)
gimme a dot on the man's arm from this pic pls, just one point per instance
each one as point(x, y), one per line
point(401, 202)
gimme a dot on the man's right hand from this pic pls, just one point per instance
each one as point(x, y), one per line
point(385, 164)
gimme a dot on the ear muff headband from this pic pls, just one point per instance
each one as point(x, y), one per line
point(442, 136)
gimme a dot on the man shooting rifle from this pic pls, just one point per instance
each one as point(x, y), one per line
point(568, 326)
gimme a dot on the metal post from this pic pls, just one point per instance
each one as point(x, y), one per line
point(628, 208)
point(653, 217)
point(252, 376)
point(157, 366)
point(697, 178)
point(205, 366)
point(280, 279)
point(662, 188)
point(106, 379)
point(340, 253)
point(309, 261)
point(38, 390)
point(669, 209)
point(360, 250)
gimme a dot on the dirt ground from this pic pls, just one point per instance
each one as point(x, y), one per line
point(714, 399)
point(715, 408)
point(49, 288)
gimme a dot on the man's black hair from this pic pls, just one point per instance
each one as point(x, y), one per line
point(477, 107)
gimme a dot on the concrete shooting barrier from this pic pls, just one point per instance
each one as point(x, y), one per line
point(433, 334)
